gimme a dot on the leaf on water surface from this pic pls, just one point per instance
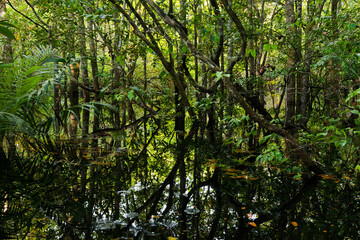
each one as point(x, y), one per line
point(241, 177)
point(295, 224)
point(327, 176)
point(252, 224)
point(100, 163)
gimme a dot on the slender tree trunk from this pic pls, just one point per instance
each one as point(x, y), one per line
point(197, 169)
point(332, 87)
point(119, 152)
point(84, 77)
point(96, 125)
point(145, 125)
point(298, 56)
point(7, 55)
point(291, 77)
point(254, 81)
point(180, 157)
point(85, 116)
point(74, 99)
point(86, 99)
point(64, 95)
point(95, 72)
point(230, 107)
point(180, 132)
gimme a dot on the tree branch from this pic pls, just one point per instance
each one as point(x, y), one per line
point(37, 15)
point(304, 156)
point(37, 24)
point(242, 32)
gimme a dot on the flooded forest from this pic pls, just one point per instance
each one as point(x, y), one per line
point(179, 119)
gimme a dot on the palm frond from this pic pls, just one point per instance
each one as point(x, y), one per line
point(22, 83)
point(11, 122)
point(20, 78)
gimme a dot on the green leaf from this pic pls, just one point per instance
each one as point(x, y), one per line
point(103, 91)
point(226, 75)
point(29, 84)
point(106, 105)
point(6, 24)
point(355, 112)
point(218, 76)
point(267, 47)
point(264, 139)
point(215, 38)
point(121, 60)
point(341, 143)
point(352, 26)
point(31, 70)
point(251, 51)
point(162, 74)
point(234, 122)
point(239, 142)
point(130, 94)
point(184, 49)
point(137, 89)
point(352, 95)
point(6, 32)
point(6, 65)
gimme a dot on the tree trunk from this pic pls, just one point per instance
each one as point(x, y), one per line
point(74, 99)
point(291, 76)
point(7, 55)
point(180, 132)
point(95, 72)
point(96, 125)
point(332, 86)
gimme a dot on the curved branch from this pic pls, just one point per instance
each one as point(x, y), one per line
point(220, 46)
point(152, 43)
point(305, 158)
point(241, 30)
point(37, 15)
point(37, 24)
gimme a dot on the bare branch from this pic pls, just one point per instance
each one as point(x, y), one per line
point(37, 24)
point(37, 15)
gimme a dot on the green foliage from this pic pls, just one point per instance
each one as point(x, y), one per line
point(4, 30)
point(24, 82)
point(272, 155)
point(119, 152)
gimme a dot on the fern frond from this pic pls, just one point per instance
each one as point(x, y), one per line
point(22, 77)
